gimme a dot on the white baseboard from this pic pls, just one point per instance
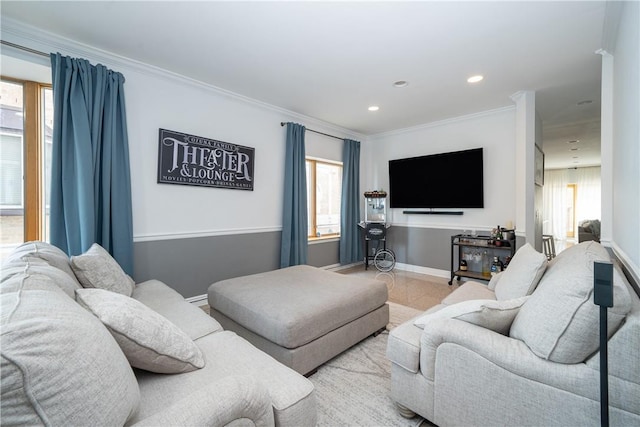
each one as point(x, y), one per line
point(199, 300)
point(424, 270)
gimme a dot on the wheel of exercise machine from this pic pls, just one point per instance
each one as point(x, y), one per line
point(384, 260)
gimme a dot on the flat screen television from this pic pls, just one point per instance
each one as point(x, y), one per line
point(445, 180)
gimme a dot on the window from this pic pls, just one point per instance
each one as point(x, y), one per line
point(26, 123)
point(324, 191)
point(570, 204)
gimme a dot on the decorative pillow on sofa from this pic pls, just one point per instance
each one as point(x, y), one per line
point(490, 314)
point(44, 251)
point(494, 281)
point(60, 366)
point(41, 276)
point(560, 322)
point(522, 275)
point(150, 341)
point(96, 268)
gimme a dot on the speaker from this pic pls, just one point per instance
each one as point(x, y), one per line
point(603, 284)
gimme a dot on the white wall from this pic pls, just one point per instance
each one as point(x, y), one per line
point(493, 130)
point(323, 147)
point(162, 210)
point(626, 138)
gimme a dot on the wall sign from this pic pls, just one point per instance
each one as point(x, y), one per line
point(193, 160)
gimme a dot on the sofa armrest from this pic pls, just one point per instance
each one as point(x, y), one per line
point(507, 353)
point(235, 398)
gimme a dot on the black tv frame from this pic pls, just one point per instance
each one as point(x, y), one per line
point(414, 172)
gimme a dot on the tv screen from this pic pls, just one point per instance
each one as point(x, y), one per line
point(446, 180)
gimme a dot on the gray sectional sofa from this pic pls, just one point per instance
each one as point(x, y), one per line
point(82, 344)
point(523, 350)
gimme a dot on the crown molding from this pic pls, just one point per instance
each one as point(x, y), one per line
point(35, 38)
point(442, 122)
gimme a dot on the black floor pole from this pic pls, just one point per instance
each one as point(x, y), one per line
point(603, 296)
point(604, 370)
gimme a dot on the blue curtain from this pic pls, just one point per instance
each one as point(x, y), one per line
point(90, 181)
point(350, 243)
point(293, 248)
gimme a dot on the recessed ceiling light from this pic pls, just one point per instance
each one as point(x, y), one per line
point(401, 83)
point(374, 108)
point(475, 79)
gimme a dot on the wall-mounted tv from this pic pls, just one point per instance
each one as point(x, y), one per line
point(445, 180)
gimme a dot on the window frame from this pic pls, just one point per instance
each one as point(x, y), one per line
point(33, 157)
point(311, 233)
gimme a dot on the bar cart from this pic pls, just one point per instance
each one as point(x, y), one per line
point(471, 256)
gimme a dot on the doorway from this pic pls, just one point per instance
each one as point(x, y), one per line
point(571, 197)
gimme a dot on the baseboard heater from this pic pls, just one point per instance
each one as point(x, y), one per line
point(433, 212)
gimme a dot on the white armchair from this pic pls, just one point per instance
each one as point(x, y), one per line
point(455, 372)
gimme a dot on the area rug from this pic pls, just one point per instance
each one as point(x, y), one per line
point(353, 388)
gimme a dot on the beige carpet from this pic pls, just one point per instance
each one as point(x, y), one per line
point(353, 388)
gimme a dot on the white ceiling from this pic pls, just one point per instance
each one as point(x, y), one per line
point(331, 60)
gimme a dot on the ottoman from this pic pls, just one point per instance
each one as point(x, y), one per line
point(302, 315)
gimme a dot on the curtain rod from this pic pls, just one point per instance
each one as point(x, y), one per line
point(26, 49)
point(315, 131)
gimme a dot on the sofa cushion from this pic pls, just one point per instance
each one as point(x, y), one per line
point(170, 304)
point(96, 268)
point(44, 251)
point(522, 275)
point(559, 322)
point(149, 341)
point(41, 275)
point(403, 346)
point(490, 314)
point(292, 395)
point(60, 365)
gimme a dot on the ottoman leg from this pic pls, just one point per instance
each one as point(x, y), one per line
point(379, 331)
point(405, 412)
point(308, 374)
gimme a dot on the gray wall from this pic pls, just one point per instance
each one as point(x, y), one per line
point(424, 247)
point(190, 265)
point(324, 254)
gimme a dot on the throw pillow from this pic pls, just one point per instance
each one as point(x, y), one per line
point(60, 365)
point(44, 251)
point(96, 268)
point(490, 314)
point(40, 274)
point(149, 341)
point(522, 275)
point(494, 281)
point(560, 321)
